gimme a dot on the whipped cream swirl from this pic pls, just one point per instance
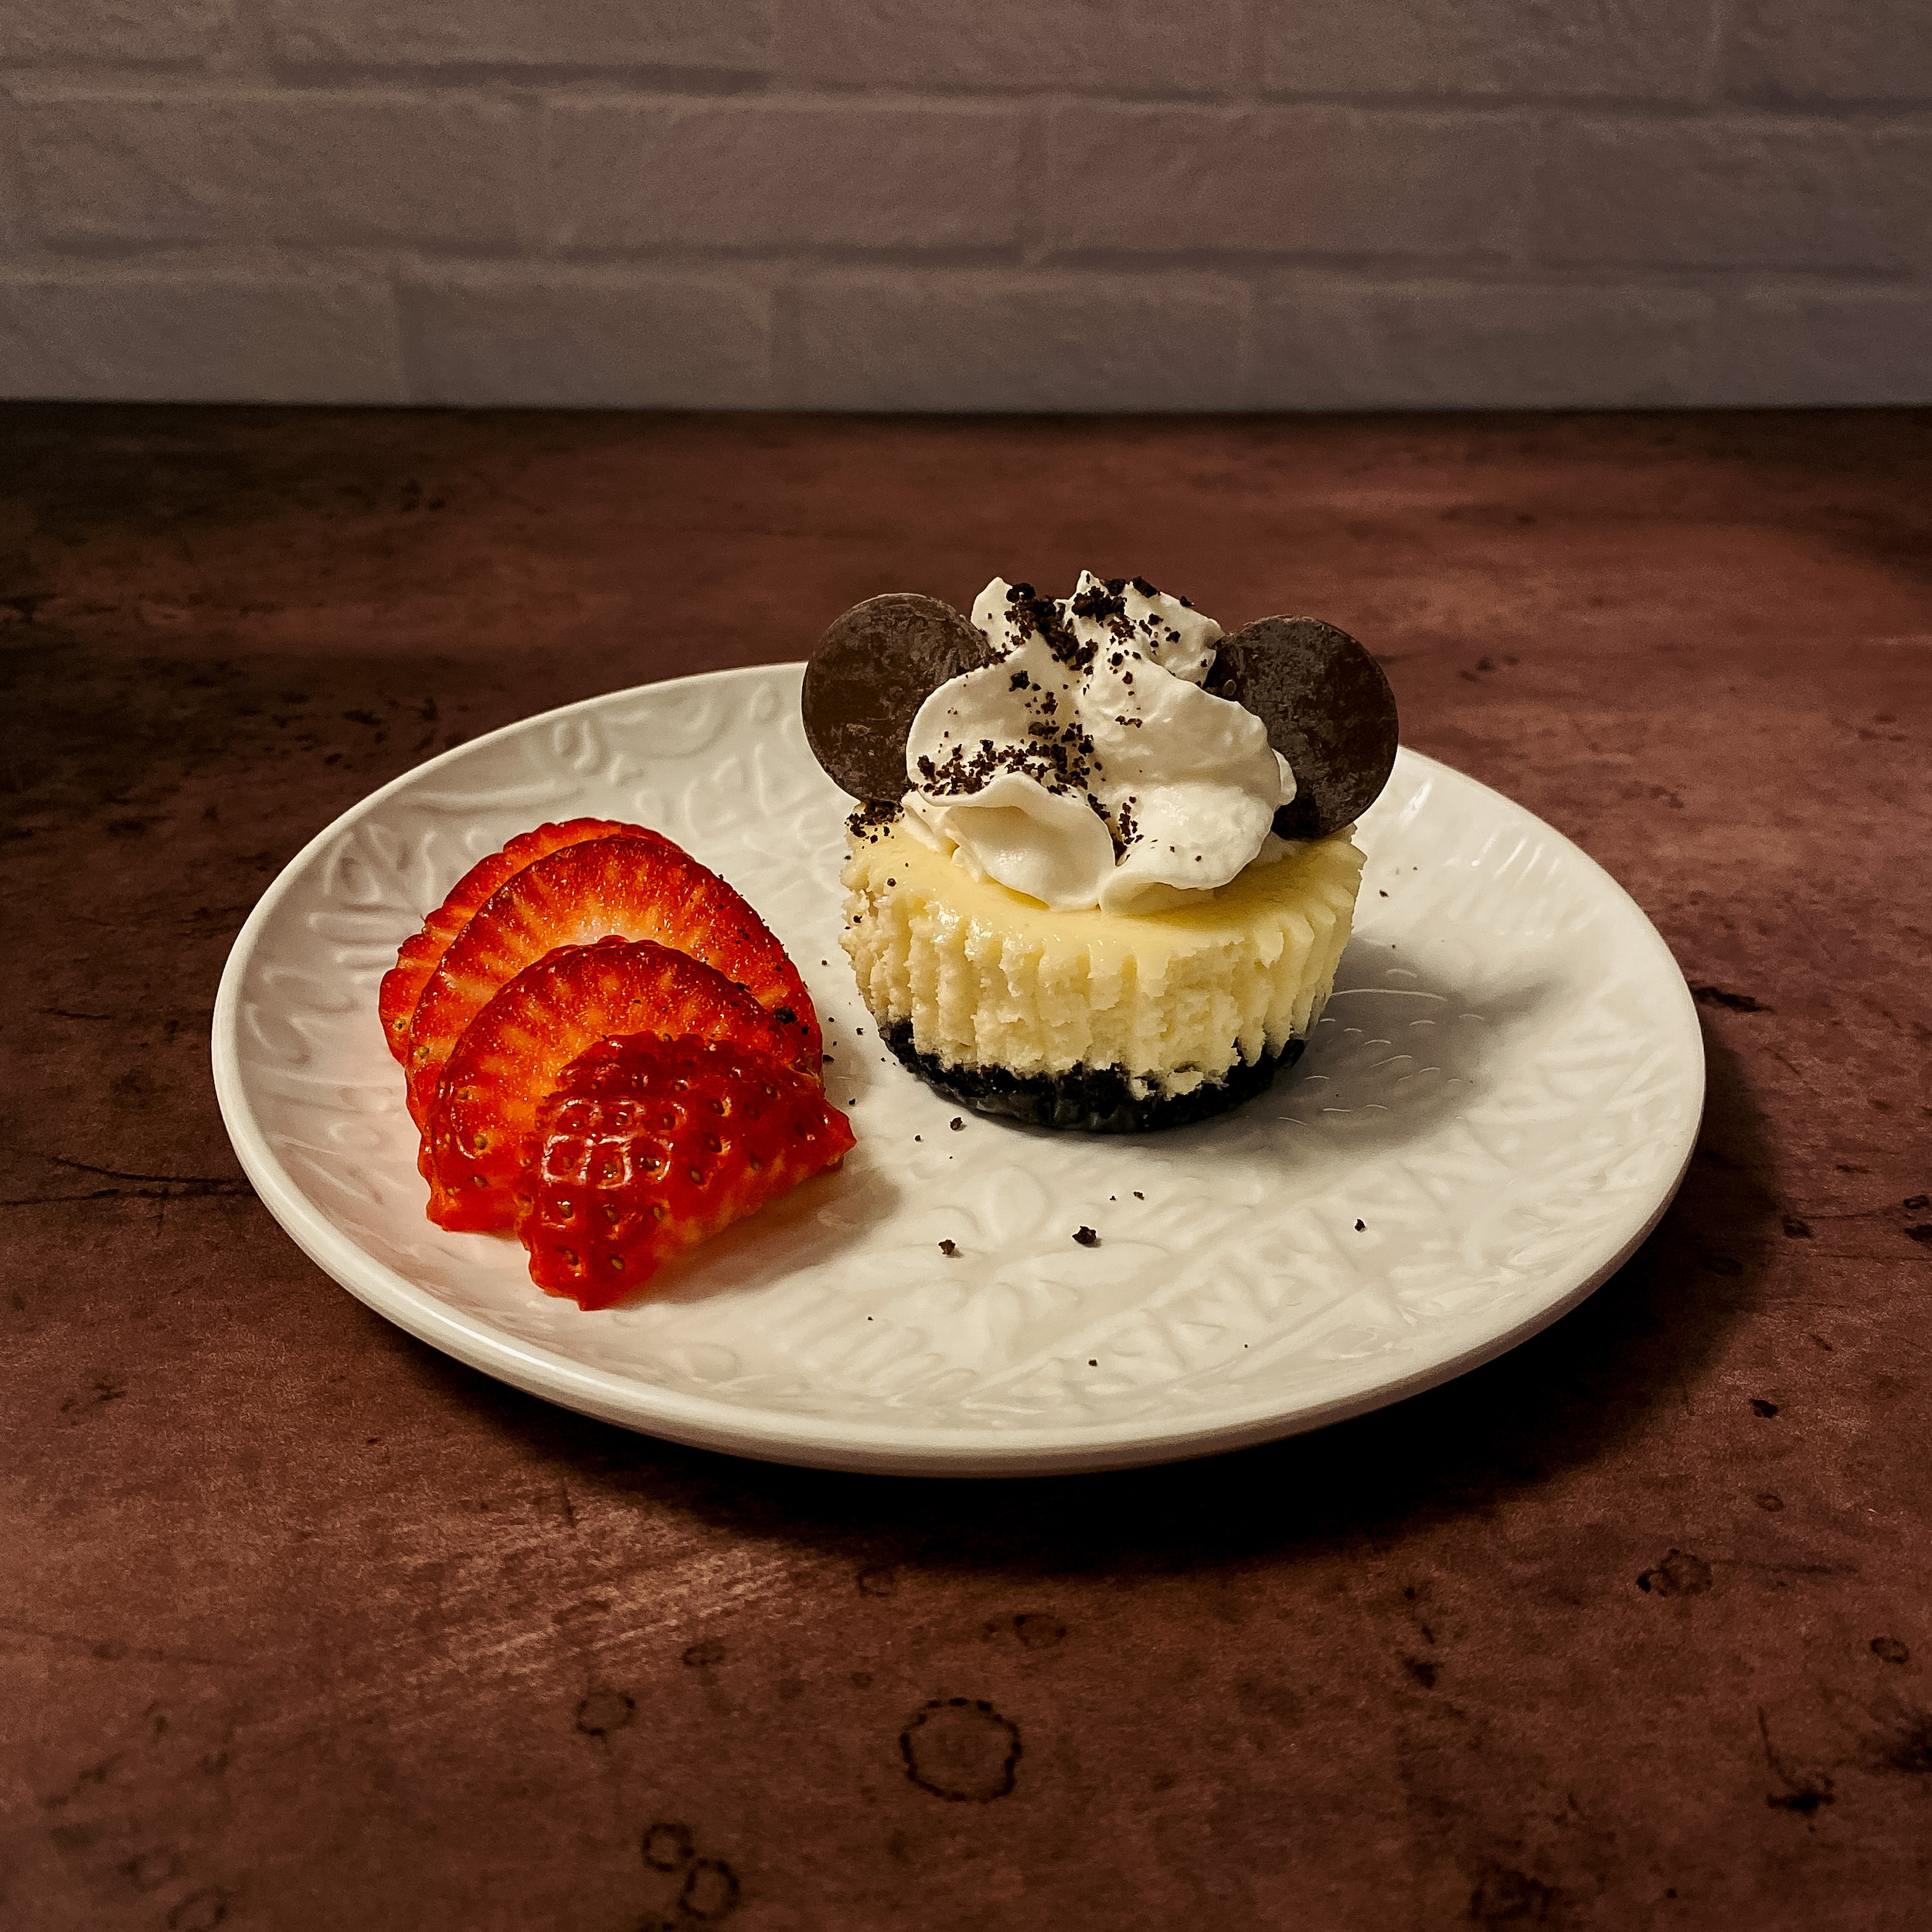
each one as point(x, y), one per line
point(1087, 767)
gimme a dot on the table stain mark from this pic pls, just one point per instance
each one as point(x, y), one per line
point(1804, 1791)
point(1788, 1569)
point(1904, 1741)
point(878, 1580)
point(711, 1890)
point(200, 1911)
point(104, 1391)
point(109, 1650)
point(1708, 995)
point(1889, 1650)
point(1421, 1670)
point(141, 1187)
point(669, 1848)
point(605, 1710)
point(702, 1656)
point(89, 1774)
point(1035, 1629)
point(1504, 1896)
point(1679, 1574)
point(150, 1870)
point(961, 1749)
point(168, 1180)
point(1762, 1408)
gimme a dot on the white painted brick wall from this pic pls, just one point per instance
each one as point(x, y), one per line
point(968, 204)
point(226, 169)
point(904, 339)
point(127, 34)
point(725, 36)
point(1357, 182)
point(1490, 49)
point(644, 177)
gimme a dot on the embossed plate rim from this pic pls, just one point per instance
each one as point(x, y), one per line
point(780, 1435)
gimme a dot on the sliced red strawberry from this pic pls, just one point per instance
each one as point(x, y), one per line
point(516, 1049)
point(402, 985)
point(648, 1146)
point(622, 888)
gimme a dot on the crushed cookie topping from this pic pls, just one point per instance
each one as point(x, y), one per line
point(1002, 757)
point(874, 817)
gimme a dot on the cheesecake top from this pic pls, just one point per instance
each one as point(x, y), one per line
point(1151, 732)
point(1086, 764)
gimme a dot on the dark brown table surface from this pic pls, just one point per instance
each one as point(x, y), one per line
point(306, 1626)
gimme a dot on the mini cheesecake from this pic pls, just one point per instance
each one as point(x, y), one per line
point(1088, 1020)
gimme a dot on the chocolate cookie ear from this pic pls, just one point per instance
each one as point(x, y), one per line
point(872, 670)
point(1328, 710)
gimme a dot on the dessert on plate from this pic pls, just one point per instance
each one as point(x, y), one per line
point(1100, 876)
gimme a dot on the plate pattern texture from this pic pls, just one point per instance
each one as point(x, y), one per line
point(1497, 1104)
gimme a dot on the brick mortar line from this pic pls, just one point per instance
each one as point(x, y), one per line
point(794, 270)
point(1267, 273)
point(698, 84)
point(39, 87)
point(567, 83)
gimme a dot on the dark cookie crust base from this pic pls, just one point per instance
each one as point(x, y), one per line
point(1088, 1099)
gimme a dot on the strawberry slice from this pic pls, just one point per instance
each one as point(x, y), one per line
point(403, 984)
point(621, 888)
point(514, 1050)
point(648, 1146)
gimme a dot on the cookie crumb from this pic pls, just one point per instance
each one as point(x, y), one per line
point(1086, 1237)
point(1138, 1195)
point(1092, 1363)
point(957, 1124)
point(948, 1248)
point(1361, 1227)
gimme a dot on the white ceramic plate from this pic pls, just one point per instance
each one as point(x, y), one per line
point(1503, 1094)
